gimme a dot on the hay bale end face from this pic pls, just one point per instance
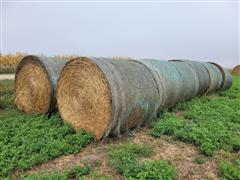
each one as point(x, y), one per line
point(106, 96)
point(35, 84)
point(236, 70)
point(84, 99)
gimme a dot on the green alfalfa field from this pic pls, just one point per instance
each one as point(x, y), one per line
point(197, 139)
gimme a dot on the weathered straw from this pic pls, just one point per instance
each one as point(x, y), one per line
point(236, 70)
point(106, 96)
point(35, 83)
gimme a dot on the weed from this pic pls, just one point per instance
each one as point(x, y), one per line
point(8, 70)
point(27, 140)
point(76, 172)
point(158, 169)
point(211, 122)
point(234, 91)
point(125, 158)
point(230, 170)
point(6, 93)
point(201, 159)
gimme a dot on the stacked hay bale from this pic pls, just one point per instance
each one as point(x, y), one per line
point(236, 70)
point(35, 83)
point(212, 77)
point(111, 96)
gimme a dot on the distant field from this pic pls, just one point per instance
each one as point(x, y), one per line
point(196, 139)
point(9, 62)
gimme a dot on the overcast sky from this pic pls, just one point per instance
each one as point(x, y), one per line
point(181, 30)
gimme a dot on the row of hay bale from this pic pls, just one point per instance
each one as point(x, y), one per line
point(110, 96)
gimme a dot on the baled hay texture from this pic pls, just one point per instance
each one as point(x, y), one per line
point(236, 70)
point(32, 88)
point(83, 97)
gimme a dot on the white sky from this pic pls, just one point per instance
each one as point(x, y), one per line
point(207, 31)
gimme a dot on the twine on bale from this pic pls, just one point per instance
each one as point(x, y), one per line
point(35, 83)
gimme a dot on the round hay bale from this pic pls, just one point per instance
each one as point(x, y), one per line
point(106, 96)
point(189, 78)
point(168, 79)
point(215, 77)
point(202, 73)
point(226, 77)
point(35, 83)
point(236, 70)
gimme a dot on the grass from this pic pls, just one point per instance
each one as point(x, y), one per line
point(211, 122)
point(77, 172)
point(8, 70)
point(230, 170)
point(126, 158)
point(28, 140)
point(6, 94)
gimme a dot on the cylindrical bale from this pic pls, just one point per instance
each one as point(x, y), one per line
point(202, 73)
point(236, 70)
point(106, 96)
point(168, 79)
point(226, 77)
point(215, 77)
point(35, 83)
point(189, 77)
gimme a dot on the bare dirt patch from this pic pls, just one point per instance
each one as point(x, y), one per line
point(94, 155)
point(182, 155)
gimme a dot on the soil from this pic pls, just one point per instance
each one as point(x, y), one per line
point(180, 154)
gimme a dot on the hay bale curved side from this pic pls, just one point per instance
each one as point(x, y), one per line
point(168, 79)
point(202, 73)
point(215, 77)
point(106, 96)
point(189, 77)
point(226, 77)
point(35, 84)
point(236, 70)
